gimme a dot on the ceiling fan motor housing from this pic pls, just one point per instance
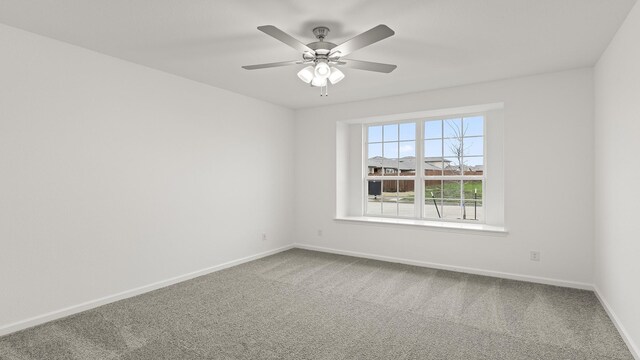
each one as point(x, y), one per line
point(321, 48)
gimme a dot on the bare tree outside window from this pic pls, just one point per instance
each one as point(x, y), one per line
point(456, 146)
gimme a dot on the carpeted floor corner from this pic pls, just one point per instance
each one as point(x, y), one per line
point(302, 304)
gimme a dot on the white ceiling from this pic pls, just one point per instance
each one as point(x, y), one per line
point(438, 43)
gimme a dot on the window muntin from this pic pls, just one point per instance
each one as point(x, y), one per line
point(438, 163)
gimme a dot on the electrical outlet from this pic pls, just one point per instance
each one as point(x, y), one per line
point(264, 237)
point(534, 256)
point(319, 232)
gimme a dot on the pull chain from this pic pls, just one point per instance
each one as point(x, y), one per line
point(326, 90)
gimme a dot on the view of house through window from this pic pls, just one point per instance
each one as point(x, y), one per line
point(431, 169)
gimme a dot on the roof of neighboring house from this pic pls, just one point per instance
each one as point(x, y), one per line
point(408, 163)
point(405, 163)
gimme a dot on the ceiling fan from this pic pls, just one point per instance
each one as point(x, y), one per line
point(323, 57)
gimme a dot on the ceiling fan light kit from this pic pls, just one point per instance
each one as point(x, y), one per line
point(306, 74)
point(323, 57)
point(319, 82)
point(336, 75)
point(322, 69)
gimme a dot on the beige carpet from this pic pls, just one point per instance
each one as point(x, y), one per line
point(308, 305)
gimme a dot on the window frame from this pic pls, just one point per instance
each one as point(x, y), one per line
point(383, 177)
point(419, 177)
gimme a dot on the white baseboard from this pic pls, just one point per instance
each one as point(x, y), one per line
point(57, 314)
point(633, 348)
point(498, 274)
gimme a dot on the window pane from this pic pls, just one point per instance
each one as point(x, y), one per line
point(473, 146)
point(390, 161)
point(433, 148)
point(407, 148)
point(390, 150)
point(374, 150)
point(451, 189)
point(453, 128)
point(374, 159)
point(391, 132)
point(407, 161)
point(433, 189)
point(452, 166)
point(474, 126)
point(433, 199)
point(390, 198)
point(451, 209)
point(473, 210)
point(375, 134)
point(473, 165)
point(473, 207)
point(433, 209)
point(374, 191)
point(406, 198)
point(433, 129)
point(451, 205)
point(408, 131)
point(453, 147)
point(433, 166)
point(473, 189)
point(389, 208)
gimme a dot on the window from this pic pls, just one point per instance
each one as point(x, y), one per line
point(428, 169)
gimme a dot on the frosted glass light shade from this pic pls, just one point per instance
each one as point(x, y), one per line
point(319, 82)
point(306, 74)
point(322, 70)
point(336, 75)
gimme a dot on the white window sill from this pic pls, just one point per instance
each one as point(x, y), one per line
point(437, 225)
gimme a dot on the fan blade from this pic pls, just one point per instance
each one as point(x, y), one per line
point(367, 38)
point(285, 38)
point(367, 65)
point(270, 65)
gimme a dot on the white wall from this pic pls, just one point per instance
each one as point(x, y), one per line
point(548, 148)
point(617, 174)
point(114, 176)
